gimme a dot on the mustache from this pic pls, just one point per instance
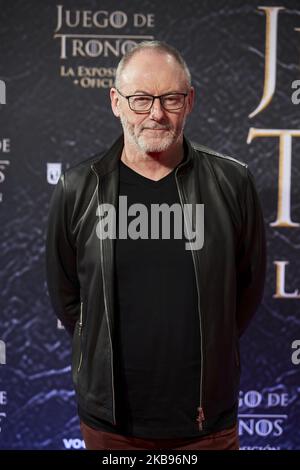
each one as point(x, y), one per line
point(165, 127)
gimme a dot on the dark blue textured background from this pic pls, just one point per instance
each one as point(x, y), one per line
point(50, 119)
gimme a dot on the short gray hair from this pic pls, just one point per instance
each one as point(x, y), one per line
point(158, 46)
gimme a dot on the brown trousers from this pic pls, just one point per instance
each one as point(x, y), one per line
point(99, 440)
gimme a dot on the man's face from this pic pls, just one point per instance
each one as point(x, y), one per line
point(152, 73)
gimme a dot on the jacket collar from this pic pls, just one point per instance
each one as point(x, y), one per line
point(109, 161)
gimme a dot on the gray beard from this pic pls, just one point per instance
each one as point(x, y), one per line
point(150, 147)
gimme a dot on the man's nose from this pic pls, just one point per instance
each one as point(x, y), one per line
point(157, 111)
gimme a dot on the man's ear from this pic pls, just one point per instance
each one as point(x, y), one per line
point(190, 99)
point(114, 101)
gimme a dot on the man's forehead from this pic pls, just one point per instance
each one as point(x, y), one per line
point(152, 66)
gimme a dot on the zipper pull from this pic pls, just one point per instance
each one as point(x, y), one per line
point(200, 418)
point(80, 319)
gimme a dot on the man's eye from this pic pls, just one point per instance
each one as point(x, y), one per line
point(142, 99)
point(171, 99)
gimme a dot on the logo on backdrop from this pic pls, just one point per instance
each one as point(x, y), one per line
point(71, 443)
point(256, 417)
point(53, 172)
point(2, 417)
point(3, 165)
point(108, 35)
point(4, 143)
point(4, 148)
point(284, 217)
point(3, 402)
point(2, 92)
point(2, 352)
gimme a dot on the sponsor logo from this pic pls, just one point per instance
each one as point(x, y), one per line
point(53, 172)
point(73, 443)
point(3, 165)
point(3, 402)
point(2, 352)
point(2, 418)
point(2, 92)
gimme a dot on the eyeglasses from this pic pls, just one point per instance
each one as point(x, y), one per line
point(143, 103)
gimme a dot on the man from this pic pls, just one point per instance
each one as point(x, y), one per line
point(156, 306)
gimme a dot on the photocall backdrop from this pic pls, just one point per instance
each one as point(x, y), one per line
point(58, 62)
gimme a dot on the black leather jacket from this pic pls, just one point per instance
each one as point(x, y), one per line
point(229, 270)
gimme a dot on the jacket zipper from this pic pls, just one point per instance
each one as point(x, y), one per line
point(200, 417)
point(106, 310)
point(79, 334)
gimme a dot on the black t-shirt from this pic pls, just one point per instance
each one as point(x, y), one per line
point(157, 350)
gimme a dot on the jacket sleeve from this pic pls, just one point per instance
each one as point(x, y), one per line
point(251, 259)
point(63, 284)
